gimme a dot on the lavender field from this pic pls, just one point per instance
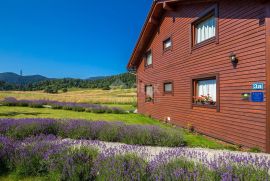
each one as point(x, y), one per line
point(76, 149)
point(79, 107)
point(73, 150)
point(53, 158)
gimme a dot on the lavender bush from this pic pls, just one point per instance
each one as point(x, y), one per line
point(78, 164)
point(121, 167)
point(79, 107)
point(93, 130)
point(179, 164)
point(78, 160)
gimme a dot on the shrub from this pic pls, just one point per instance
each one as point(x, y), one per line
point(121, 167)
point(151, 135)
point(101, 130)
point(78, 164)
point(7, 147)
point(109, 132)
point(65, 90)
point(79, 107)
point(54, 106)
point(180, 169)
point(106, 88)
point(32, 158)
point(255, 150)
point(51, 90)
point(97, 110)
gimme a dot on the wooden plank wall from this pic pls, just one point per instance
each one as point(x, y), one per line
point(242, 31)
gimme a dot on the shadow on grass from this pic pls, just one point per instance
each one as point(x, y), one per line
point(12, 114)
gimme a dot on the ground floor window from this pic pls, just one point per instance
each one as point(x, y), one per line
point(168, 87)
point(149, 93)
point(205, 90)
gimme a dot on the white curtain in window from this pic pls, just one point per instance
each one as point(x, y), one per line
point(149, 59)
point(206, 29)
point(149, 91)
point(208, 88)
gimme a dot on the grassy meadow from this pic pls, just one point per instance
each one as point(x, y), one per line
point(122, 97)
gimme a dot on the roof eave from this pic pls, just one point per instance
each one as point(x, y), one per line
point(130, 65)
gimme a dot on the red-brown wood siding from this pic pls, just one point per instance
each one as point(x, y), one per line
point(240, 31)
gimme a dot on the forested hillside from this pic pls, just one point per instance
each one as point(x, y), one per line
point(125, 80)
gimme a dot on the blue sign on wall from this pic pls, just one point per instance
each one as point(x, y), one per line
point(257, 96)
point(258, 86)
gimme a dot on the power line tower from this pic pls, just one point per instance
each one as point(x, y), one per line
point(21, 72)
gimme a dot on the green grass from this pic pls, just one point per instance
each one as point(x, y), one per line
point(26, 112)
point(197, 140)
point(13, 177)
point(126, 107)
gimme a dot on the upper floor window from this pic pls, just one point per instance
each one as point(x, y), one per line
point(148, 58)
point(205, 29)
point(167, 44)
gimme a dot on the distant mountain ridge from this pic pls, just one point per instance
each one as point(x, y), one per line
point(14, 78)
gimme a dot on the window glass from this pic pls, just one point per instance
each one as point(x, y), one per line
point(149, 59)
point(168, 87)
point(205, 30)
point(207, 88)
point(167, 43)
point(149, 91)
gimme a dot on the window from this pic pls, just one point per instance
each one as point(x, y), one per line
point(167, 44)
point(204, 29)
point(206, 91)
point(168, 87)
point(149, 93)
point(148, 59)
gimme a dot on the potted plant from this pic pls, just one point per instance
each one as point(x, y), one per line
point(204, 100)
point(149, 99)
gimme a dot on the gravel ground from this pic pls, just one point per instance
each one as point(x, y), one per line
point(150, 152)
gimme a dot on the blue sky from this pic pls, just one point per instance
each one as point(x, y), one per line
point(69, 38)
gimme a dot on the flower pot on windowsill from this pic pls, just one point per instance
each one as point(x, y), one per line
point(200, 103)
point(149, 99)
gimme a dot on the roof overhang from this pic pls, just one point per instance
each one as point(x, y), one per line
point(151, 24)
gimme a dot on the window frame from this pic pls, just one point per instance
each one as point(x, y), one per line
point(145, 95)
point(168, 92)
point(194, 81)
point(209, 12)
point(145, 59)
point(163, 44)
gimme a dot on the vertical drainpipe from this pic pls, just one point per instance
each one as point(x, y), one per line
point(267, 26)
